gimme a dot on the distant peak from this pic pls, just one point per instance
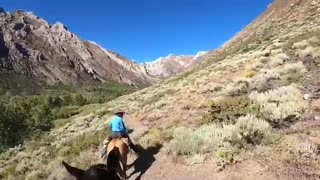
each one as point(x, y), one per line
point(60, 26)
point(169, 56)
point(159, 59)
point(20, 12)
point(94, 43)
point(2, 11)
point(200, 53)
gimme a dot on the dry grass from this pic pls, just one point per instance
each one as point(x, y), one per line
point(262, 81)
point(249, 74)
point(294, 68)
point(290, 159)
point(237, 87)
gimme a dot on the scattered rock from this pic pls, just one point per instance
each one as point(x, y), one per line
point(306, 96)
point(219, 169)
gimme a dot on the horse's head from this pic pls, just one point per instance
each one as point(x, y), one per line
point(95, 172)
point(98, 171)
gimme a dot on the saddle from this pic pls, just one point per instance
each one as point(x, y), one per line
point(124, 139)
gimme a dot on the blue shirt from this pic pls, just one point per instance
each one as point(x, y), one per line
point(117, 125)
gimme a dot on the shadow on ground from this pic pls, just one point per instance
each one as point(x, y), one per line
point(144, 160)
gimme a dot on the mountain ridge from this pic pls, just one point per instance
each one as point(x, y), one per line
point(31, 46)
point(50, 52)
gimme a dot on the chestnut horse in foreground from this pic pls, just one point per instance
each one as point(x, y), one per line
point(122, 145)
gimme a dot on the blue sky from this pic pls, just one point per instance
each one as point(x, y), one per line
point(144, 30)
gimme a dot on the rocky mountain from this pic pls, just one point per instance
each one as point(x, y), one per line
point(171, 64)
point(31, 46)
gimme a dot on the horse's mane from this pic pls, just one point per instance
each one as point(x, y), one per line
point(113, 159)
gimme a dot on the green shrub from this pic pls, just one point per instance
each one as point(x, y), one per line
point(279, 59)
point(292, 73)
point(280, 106)
point(264, 81)
point(251, 129)
point(156, 137)
point(300, 45)
point(185, 142)
point(237, 88)
point(294, 68)
point(41, 118)
point(65, 112)
point(226, 154)
point(228, 109)
point(67, 99)
point(225, 142)
point(79, 100)
point(247, 130)
point(35, 112)
point(211, 135)
point(13, 127)
point(52, 101)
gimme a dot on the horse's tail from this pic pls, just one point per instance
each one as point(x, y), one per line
point(113, 159)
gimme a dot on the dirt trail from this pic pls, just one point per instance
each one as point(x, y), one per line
point(157, 165)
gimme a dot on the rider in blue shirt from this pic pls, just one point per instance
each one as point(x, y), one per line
point(118, 130)
point(117, 126)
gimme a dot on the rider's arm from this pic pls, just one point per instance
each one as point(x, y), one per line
point(122, 128)
point(110, 124)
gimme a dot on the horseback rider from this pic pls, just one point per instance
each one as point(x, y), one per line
point(119, 130)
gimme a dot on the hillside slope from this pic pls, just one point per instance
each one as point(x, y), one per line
point(250, 111)
point(31, 46)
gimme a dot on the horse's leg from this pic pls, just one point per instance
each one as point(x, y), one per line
point(120, 172)
point(124, 167)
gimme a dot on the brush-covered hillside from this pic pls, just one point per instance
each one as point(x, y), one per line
point(251, 110)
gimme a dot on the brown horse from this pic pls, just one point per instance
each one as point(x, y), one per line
point(98, 171)
point(123, 145)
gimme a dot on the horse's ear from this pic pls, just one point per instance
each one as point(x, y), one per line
point(73, 170)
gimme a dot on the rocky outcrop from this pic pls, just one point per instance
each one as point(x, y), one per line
point(31, 46)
